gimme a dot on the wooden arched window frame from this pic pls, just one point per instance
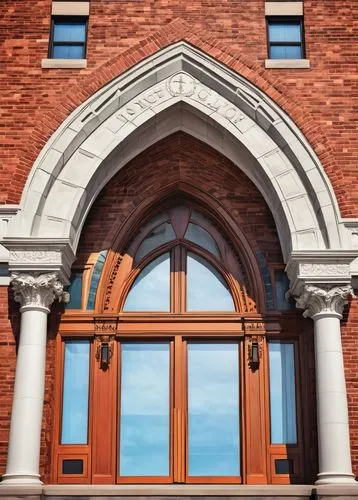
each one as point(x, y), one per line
point(226, 262)
point(180, 331)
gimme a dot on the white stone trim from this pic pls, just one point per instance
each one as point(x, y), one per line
point(6, 214)
point(144, 105)
point(324, 304)
point(225, 490)
point(283, 8)
point(324, 299)
point(287, 63)
point(70, 8)
point(41, 256)
point(64, 63)
point(35, 293)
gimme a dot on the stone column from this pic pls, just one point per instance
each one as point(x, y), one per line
point(35, 294)
point(324, 304)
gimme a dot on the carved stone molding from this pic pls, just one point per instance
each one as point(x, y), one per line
point(323, 299)
point(316, 269)
point(41, 256)
point(38, 290)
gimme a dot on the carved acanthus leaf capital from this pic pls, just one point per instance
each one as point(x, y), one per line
point(37, 290)
point(323, 299)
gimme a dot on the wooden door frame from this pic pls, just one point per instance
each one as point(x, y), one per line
point(237, 327)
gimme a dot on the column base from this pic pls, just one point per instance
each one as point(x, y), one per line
point(14, 479)
point(335, 478)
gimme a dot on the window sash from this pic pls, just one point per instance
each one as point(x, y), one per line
point(76, 43)
point(285, 43)
point(75, 396)
point(282, 388)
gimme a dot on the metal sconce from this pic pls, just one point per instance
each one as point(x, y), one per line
point(254, 352)
point(104, 351)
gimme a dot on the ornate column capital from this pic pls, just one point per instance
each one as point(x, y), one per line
point(323, 298)
point(37, 290)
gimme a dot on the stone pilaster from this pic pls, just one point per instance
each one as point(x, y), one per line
point(35, 293)
point(324, 304)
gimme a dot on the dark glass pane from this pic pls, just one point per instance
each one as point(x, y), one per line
point(72, 467)
point(158, 236)
point(213, 409)
point(95, 279)
point(151, 289)
point(282, 287)
point(284, 52)
point(145, 409)
point(284, 32)
point(68, 52)
point(282, 393)
point(283, 466)
point(69, 31)
point(206, 288)
point(75, 291)
point(201, 237)
point(75, 392)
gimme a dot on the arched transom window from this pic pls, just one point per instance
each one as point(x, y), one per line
point(179, 266)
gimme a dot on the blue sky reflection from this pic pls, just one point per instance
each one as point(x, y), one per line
point(213, 409)
point(144, 425)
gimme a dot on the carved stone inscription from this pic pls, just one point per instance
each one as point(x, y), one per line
point(184, 85)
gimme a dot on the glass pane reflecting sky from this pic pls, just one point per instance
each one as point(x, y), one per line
point(201, 237)
point(144, 423)
point(158, 236)
point(151, 289)
point(280, 32)
point(213, 409)
point(282, 393)
point(69, 32)
point(284, 52)
point(75, 392)
point(206, 288)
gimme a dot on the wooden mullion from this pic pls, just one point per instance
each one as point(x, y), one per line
point(179, 402)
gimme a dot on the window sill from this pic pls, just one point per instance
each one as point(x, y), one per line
point(64, 63)
point(287, 64)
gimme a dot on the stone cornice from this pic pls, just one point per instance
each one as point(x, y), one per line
point(30, 255)
point(323, 299)
point(37, 290)
point(319, 268)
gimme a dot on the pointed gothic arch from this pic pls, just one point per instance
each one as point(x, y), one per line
point(180, 88)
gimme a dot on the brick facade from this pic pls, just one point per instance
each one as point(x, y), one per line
point(322, 101)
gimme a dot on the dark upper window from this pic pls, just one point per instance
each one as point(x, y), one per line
point(68, 38)
point(285, 38)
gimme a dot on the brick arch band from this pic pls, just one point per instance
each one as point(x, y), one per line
point(180, 88)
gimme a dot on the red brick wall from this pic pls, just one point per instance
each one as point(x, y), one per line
point(322, 101)
point(181, 158)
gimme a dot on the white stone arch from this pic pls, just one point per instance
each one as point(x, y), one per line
point(180, 88)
